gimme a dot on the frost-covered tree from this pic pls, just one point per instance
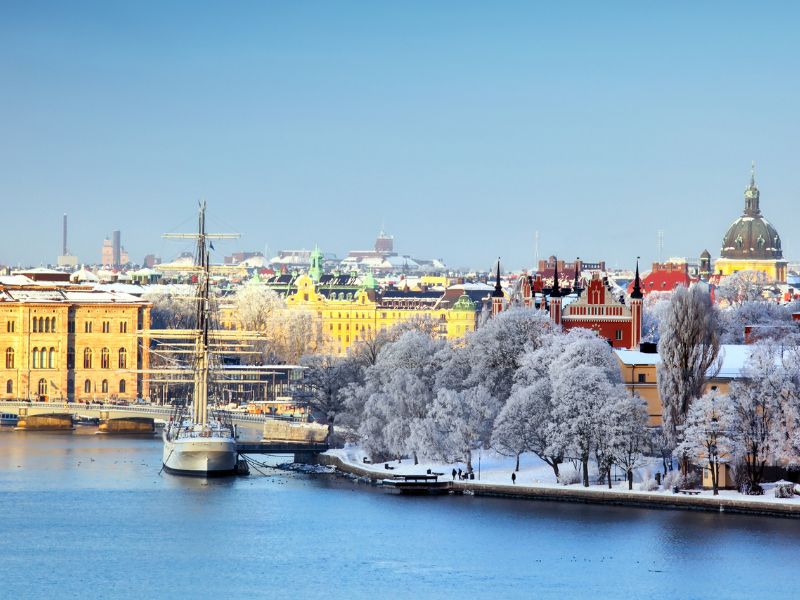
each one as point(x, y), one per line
point(707, 434)
point(762, 403)
point(771, 321)
point(630, 434)
point(327, 377)
point(580, 396)
point(656, 306)
point(491, 355)
point(460, 422)
point(172, 309)
point(689, 346)
point(743, 286)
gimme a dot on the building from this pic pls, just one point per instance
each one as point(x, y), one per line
point(113, 253)
point(72, 343)
point(751, 242)
point(665, 277)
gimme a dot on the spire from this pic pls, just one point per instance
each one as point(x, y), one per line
point(556, 291)
point(498, 288)
point(753, 174)
point(575, 283)
point(751, 195)
point(636, 294)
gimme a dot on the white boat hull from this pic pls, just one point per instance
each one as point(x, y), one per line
point(202, 456)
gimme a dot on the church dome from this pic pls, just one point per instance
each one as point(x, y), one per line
point(751, 236)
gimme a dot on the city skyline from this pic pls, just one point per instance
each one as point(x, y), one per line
point(462, 131)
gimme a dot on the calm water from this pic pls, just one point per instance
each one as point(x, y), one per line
point(89, 516)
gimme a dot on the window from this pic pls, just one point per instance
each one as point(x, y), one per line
point(105, 362)
point(87, 386)
point(9, 358)
point(35, 358)
point(42, 387)
point(35, 325)
point(10, 326)
point(123, 327)
point(104, 386)
point(53, 324)
point(642, 378)
point(618, 334)
point(106, 326)
point(41, 324)
point(123, 358)
point(87, 358)
point(121, 386)
point(51, 359)
point(9, 387)
point(87, 327)
point(47, 325)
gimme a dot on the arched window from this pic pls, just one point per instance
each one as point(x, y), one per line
point(51, 360)
point(123, 358)
point(41, 324)
point(35, 358)
point(42, 387)
point(9, 358)
point(104, 386)
point(9, 387)
point(47, 325)
point(87, 358)
point(121, 386)
point(53, 324)
point(35, 325)
point(87, 386)
point(105, 362)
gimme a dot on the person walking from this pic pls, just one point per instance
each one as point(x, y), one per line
point(454, 474)
point(513, 478)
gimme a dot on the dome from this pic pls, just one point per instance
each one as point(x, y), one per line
point(751, 236)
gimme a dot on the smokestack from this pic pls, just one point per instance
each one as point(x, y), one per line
point(64, 237)
point(116, 250)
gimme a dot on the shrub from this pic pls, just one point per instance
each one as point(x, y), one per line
point(784, 490)
point(676, 479)
point(569, 475)
point(648, 485)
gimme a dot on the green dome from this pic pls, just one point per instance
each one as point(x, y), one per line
point(751, 236)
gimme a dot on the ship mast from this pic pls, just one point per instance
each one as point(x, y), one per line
point(202, 313)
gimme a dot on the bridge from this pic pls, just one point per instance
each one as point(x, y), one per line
point(134, 418)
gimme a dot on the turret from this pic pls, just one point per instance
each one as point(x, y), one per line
point(497, 294)
point(555, 297)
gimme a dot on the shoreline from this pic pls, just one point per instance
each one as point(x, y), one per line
point(652, 500)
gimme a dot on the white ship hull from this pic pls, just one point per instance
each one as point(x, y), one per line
point(200, 456)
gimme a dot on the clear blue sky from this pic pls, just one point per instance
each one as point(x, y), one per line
point(464, 127)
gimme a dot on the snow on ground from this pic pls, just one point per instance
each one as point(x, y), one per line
point(534, 473)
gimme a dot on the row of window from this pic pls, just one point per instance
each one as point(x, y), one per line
point(41, 387)
point(48, 325)
point(43, 324)
point(46, 359)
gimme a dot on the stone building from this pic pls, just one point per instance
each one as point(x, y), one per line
point(72, 343)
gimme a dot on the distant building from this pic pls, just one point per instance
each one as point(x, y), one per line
point(114, 254)
point(751, 242)
point(383, 259)
point(665, 277)
point(240, 257)
point(150, 261)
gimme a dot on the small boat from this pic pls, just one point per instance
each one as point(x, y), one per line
point(8, 419)
point(86, 421)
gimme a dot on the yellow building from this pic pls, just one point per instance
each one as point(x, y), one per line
point(348, 318)
point(751, 242)
point(71, 343)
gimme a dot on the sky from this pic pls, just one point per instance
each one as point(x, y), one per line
point(461, 128)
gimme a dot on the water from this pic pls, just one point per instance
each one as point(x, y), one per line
point(89, 516)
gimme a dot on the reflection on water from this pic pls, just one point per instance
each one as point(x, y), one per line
point(87, 515)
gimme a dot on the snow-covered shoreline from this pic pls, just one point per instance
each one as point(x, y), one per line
point(534, 482)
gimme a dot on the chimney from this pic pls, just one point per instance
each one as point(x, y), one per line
point(64, 237)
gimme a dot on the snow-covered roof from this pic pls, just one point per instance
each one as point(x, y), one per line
point(733, 356)
point(15, 280)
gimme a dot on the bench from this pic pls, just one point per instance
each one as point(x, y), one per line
point(689, 492)
point(432, 477)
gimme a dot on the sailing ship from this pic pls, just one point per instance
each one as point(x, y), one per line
point(200, 443)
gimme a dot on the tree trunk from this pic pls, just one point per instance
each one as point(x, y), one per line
point(517, 467)
point(555, 467)
point(630, 479)
point(608, 475)
point(715, 477)
point(469, 461)
point(416, 460)
point(585, 462)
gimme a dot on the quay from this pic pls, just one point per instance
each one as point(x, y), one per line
point(656, 500)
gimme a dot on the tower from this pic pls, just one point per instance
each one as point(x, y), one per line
point(116, 249)
point(555, 298)
point(636, 309)
point(497, 294)
point(315, 270)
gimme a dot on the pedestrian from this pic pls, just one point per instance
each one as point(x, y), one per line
point(513, 478)
point(459, 474)
point(454, 474)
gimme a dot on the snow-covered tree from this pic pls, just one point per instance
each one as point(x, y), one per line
point(707, 434)
point(172, 309)
point(328, 377)
point(654, 311)
point(631, 435)
point(763, 402)
point(772, 321)
point(689, 346)
point(460, 422)
point(743, 286)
